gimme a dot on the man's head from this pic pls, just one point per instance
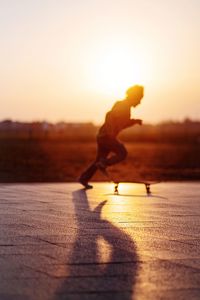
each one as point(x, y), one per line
point(134, 94)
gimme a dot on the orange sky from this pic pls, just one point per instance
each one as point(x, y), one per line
point(70, 60)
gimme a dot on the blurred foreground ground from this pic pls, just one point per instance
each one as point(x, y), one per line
point(58, 241)
point(24, 160)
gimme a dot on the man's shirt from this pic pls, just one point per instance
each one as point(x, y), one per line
point(116, 119)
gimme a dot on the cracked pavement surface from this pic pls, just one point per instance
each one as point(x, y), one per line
point(58, 241)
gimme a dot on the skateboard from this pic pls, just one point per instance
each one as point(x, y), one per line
point(147, 183)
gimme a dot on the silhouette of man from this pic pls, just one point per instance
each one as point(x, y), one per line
point(117, 119)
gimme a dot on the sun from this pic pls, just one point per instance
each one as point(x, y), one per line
point(115, 69)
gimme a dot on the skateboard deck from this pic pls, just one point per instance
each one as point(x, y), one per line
point(147, 183)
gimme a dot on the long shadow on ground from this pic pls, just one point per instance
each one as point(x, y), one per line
point(88, 276)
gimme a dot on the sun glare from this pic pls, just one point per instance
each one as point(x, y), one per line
point(115, 69)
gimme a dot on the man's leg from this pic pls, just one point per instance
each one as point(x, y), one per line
point(119, 150)
point(102, 153)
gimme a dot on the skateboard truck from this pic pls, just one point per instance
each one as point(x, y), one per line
point(147, 185)
point(116, 192)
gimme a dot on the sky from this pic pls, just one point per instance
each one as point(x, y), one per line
point(70, 60)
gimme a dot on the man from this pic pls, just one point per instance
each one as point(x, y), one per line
point(117, 119)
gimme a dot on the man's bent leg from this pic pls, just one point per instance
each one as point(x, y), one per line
point(120, 153)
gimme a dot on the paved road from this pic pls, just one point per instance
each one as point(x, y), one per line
point(59, 242)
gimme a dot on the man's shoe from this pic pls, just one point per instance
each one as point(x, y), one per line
point(85, 184)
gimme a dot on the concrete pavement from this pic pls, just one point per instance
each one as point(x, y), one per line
point(58, 241)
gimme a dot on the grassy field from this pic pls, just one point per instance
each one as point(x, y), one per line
point(62, 161)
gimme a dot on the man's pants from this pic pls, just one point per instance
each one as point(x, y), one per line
point(105, 145)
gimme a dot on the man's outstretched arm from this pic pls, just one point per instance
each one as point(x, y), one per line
point(132, 122)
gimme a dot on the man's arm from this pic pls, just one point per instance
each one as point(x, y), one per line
point(132, 122)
